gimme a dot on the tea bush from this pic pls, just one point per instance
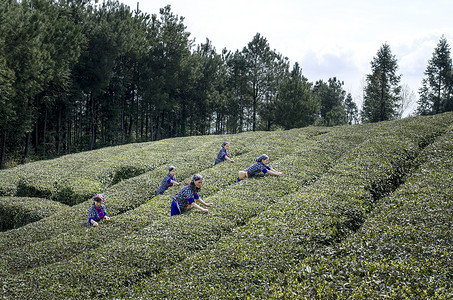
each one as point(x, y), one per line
point(123, 196)
point(16, 212)
point(404, 249)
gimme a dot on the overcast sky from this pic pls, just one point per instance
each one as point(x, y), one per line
point(328, 38)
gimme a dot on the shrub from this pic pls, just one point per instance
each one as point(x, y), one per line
point(16, 212)
point(403, 250)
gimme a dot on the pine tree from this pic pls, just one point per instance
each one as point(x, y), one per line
point(436, 91)
point(332, 96)
point(295, 106)
point(259, 59)
point(351, 110)
point(382, 97)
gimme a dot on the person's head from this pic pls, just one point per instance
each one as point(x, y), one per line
point(197, 182)
point(263, 159)
point(98, 196)
point(226, 145)
point(97, 200)
point(172, 170)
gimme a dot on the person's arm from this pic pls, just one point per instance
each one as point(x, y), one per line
point(176, 183)
point(198, 199)
point(106, 217)
point(273, 172)
point(199, 207)
point(228, 158)
point(204, 203)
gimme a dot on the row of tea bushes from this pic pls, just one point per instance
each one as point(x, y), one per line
point(245, 263)
point(403, 251)
point(71, 179)
point(16, 212)
point(168, 240)
point(51, 172)
point(122, 197)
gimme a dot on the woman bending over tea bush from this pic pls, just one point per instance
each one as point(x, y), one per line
point(223, 154)
point(168, 181)
point(97, 211)
point(261, 165)
point(185, 198)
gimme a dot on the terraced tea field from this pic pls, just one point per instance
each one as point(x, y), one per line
point(361, 212)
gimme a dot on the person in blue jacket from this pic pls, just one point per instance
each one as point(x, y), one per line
point(261, 165)
point(186, 197)
point(168, 181)
point(223, 154)
point(97, 211)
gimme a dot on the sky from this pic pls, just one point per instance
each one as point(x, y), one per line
point(328, 38)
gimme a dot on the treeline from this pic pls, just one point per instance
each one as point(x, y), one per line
point(76, 75)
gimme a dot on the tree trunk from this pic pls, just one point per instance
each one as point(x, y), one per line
point(255, 101)
point(136, 116)
point(3, 151)
point(58, 137)
point(27, 147)
point(69, 137)
point(151, 126)
point(45, 132)
point(146, 125)
point(123, 127)
point(93, 125)
point(131, 122)
point(36, 141)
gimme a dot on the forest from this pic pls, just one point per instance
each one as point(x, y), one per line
point(76, 75)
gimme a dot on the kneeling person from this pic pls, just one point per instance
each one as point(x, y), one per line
point(261, 165)
point(185, 198)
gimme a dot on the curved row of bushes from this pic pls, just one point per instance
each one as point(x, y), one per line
point(16, 211)
point(283, 219)
point(403, 251)
point(72, 179)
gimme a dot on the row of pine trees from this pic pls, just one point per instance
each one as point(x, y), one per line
point(76, 75)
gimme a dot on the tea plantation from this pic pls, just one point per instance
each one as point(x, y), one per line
point(361, 212)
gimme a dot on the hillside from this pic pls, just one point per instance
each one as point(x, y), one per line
point(362, 211)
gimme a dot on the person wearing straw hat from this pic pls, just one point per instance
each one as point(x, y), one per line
point(186, 197)
point(168, 181)
point(261, 165)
